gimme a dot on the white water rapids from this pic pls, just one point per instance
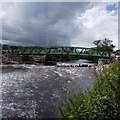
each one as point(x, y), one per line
point(35, 91)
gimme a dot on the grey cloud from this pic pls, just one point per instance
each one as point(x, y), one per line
point(41, 23)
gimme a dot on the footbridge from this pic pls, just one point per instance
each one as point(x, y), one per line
point(81, 52)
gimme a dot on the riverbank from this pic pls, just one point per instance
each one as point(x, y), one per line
point(100, 102)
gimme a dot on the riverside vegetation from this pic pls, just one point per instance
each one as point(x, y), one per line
point(102, 101)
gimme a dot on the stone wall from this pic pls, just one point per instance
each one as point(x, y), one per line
point(102, 66)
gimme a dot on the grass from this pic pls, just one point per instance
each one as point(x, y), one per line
point(102, 101)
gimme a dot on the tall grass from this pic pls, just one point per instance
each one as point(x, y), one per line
point(102, 101)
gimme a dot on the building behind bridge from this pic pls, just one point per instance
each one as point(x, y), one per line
point(115, 54)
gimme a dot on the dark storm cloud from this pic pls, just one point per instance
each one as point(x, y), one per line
point(40, 23)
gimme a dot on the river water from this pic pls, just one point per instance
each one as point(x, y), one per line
point(36, 91)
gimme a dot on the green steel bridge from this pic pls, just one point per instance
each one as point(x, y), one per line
point(81, 52)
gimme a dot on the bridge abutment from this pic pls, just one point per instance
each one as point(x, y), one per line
point(103, 61)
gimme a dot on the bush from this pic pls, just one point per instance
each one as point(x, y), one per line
point(100, 102)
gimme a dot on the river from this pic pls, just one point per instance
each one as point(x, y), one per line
point(36, 91)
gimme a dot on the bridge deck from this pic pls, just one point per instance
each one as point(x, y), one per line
point(60, 50)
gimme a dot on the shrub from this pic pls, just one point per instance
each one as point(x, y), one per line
point(100, 102)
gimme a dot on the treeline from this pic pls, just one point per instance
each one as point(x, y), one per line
point(63, 58)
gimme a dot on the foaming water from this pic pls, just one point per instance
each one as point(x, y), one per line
point(36, 91)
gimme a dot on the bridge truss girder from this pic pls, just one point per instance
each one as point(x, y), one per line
point(81, 52)
point(75, 51)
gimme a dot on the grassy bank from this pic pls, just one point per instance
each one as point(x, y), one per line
point(100, 102)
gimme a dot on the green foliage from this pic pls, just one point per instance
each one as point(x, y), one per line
point(104, 45)
point(102, 101)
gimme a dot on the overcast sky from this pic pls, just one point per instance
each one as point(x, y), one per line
point(68, 24)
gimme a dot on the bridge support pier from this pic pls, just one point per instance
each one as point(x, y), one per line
point(27, 59)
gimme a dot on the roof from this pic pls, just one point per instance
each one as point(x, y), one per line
point(117, 52)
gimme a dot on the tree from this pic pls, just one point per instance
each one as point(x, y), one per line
point(104, 45)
